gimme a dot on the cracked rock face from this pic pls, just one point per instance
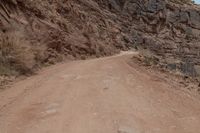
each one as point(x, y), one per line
point(165, 28)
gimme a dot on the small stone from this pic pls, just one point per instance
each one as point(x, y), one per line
point(126, 130)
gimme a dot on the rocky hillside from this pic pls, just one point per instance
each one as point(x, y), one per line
point(169, 30)
point(37, 32)
point(54, 30)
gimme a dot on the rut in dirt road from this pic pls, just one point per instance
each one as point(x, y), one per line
point(104, 95)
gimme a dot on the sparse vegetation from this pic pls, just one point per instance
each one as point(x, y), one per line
point(16, 56)
point(148, 58)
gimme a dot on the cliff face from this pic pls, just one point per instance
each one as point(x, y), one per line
point(85, 28)
point(168, 29)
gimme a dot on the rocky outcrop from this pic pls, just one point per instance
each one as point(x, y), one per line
point(167, 29)
point(83, 28)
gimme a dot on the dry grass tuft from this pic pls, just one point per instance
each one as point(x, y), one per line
point(16, 56)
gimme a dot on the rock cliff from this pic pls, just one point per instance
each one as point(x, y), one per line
point(168, 29)
point(57, 29)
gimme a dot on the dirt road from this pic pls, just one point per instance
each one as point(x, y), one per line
point(104, 95)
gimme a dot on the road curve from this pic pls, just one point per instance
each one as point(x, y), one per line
point(104, 95)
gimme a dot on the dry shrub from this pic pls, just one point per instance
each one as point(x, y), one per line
point(148, 58)
point(16, 56)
